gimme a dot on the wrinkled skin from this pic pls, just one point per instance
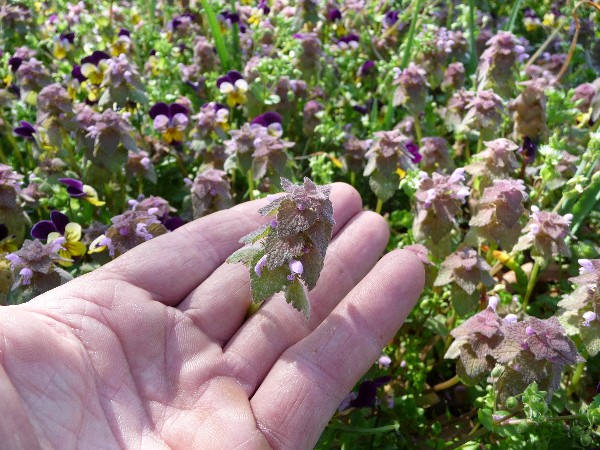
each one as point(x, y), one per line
point(154, 350)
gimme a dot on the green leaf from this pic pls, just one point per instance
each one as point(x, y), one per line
point(463, 303)
point(256, 235)
point(246, 254)
point(269, 283)
point(534, 403)
point(384, 185)
point(593, 411)
point(586, 203)
point(217, 34)
point(590, 337)
point(296, 295)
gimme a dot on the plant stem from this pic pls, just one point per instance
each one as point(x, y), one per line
point(446, 384)
point(513, 15)
point(250, 177)
point(450, 14)
point(353, 178)
point(576, 376)
point(531, 284)
point(480, 143)
point(418, 131)
point(411, 34)
point(379, 206)
point(472, 49)
point(545, 44)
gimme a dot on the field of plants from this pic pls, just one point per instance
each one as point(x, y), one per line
point(472, 127)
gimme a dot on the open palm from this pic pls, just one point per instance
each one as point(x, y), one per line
point(154, 349)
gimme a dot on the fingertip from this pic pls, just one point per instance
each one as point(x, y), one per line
point(408, 278)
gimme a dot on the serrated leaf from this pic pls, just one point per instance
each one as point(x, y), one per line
point(313, 264)
point(384, 185)
point(246, 255)
point(320, 235)
point(462, 302)
point(256, 235)
point(270, 282)
point(280, 250)
point(590, 337)
point(470, 368)
point(296, 295)
point(290, 220)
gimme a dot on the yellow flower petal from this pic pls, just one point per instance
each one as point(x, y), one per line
point(73, 232)
point(53, 236)
point(92, 196)
point(95, 246)
point(75, 248)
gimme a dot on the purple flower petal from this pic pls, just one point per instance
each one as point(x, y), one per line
point(26, 130)
point(267, 119)
point(76, 73)
point(234, 75)
point(176, 108)
point(159, 108)
point(42, 229)
point(172, 223)
point(59, 220)
point(74, 187)
point(14, 63)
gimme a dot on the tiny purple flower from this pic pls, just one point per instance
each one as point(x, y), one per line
point(588, 317)
point(262, 262)
point(384, 361)
point(26, 274)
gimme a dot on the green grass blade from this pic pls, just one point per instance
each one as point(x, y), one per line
point(215, 28)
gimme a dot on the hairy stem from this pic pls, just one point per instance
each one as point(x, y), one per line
point(446, 384)
point(418, 130)
point(250, 177)
point(531, 284)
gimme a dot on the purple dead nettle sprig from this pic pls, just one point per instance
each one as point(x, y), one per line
point(498, 160)
point(484, 115)
point(412, 89)
point(387, 154)
point(532, 350)
point(34, 266)
point(435, 155)
point(128, 230)
point(454, 77)
point(545, 233)
point(32, 76)
point(211, 191)
point(498, 214)
point(580, 310)
point(290, 248)
point(309, 60)
point(496, 65)
point(55, 113)
point(456, 109)
point(355, 149)
point(464, 270)
point(438, 204)
point(122, 83)
point(212, 118)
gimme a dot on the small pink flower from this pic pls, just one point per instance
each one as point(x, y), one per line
point(260, 264)
point(588, 317)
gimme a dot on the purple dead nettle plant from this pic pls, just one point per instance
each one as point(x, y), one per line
point(583, 96)
point(55, 113)
point(456, 109)
point(311, 116)
point(580, 310)
point(291, 247)
point(211, 192)
point(412, 89)
point(498, 160)
point(496, 65)
point(435, 156)
point(11, 212)
point(545, 234)
point(465, 271)
point(529, 112)
point(139, 164)
point(387, 154)
point(111, 138)
point(355, 149)
point(212, 118)
point(122, 83)
point(498, 214)
point(128, 230)
point(32, 76)
point(309, 60)
point(528, 351)
point(484, 115)
point(34, 267)
point(438, 204)
point(454, 77)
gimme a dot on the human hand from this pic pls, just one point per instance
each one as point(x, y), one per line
point(154, 349)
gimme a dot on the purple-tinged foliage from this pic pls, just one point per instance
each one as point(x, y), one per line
point(32, 76)
point(583, 96)
point(55, 114)
point(465, 271)
point(546, 233)
point(533, 350)
point(131, 229)
point(438, 203)
point(454, 77)
point(497, 214)
point(435, 156)
point(497, 62)
point(456, 109)
point(529, 112)
point(412, 89)
point(122, 83)
point(387, 154)
point(498, 160)
point(292, 246)
point(211, 192)
point(484, 114)
point(312, 49)
point(354, 153)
